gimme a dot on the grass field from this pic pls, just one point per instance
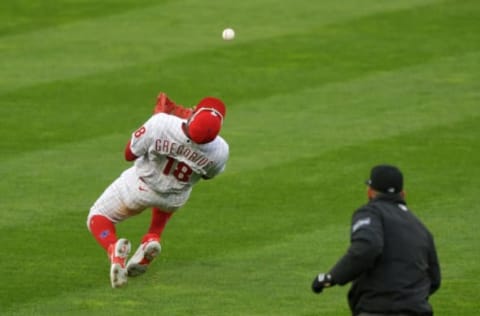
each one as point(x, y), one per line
point(317, 93)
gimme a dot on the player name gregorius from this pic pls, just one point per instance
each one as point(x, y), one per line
point(166, 147)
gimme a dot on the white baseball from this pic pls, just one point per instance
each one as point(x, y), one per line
point(228, 34)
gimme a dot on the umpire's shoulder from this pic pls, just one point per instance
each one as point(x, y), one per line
point(366, 210)
point(369, 207)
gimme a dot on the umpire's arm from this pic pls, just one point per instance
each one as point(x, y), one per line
point(366, 243)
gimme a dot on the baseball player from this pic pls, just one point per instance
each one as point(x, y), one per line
point(172, 151)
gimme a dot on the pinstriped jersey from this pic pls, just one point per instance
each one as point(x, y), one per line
point(168, 161)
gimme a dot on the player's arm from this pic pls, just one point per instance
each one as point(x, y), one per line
point(165, 105)
point(213, 172)
point(221, 159)
point(141, 139)
point(129, 155)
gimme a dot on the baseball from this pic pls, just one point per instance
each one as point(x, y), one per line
point(228, 34)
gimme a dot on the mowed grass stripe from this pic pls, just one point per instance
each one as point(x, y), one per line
point(441, 93)
point(326, 185)
point(240, 265)
point(50, 176)
point(308, 169)
point(334, 52)
point(382, 105)
point(158, 32)
point(27, 16)
point(228, 72)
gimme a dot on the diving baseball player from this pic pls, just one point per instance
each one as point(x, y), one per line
point(171, 152)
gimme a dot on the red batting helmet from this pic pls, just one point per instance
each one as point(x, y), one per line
point(207, 119)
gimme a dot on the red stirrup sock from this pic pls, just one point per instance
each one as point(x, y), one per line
point(159, 220)
point(103, 230)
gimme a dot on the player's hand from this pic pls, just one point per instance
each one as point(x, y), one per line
point(320, 282)
point(182, 112)
point(164, 104)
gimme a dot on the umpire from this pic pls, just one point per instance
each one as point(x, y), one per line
point(392, 261)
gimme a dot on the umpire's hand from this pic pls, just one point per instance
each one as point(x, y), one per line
point(321, 281)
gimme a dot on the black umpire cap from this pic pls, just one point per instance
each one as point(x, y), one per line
point(386, 179)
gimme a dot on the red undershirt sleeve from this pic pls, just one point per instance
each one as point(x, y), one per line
point(129, 155)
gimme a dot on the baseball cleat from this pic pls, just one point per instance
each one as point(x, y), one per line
point(144, 255)
point(118, 253)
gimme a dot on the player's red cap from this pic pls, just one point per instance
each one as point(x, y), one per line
point(213, 103)
point(205, 123)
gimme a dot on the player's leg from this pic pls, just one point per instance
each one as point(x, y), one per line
point(102, 228)
point(150, 247)
point(118, 255)
point(163, 207)
point(114, 205)
point(157, 224)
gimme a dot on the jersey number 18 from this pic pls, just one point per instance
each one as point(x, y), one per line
point(180, 170)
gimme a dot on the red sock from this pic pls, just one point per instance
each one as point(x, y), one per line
point(159, 220)
point(103, 230)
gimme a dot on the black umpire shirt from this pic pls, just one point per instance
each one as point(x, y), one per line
point(392, 261)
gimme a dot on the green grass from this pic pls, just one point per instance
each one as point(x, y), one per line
point(317, 93)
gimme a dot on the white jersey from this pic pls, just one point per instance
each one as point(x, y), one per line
point(168, 161)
